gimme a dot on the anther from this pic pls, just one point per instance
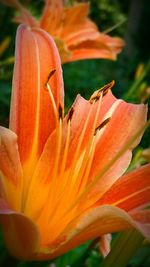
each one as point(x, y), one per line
point(60, 111)
point(101, 125)
point(95, 97)
point(106, 88)
point(70, 114)
point(50, 75)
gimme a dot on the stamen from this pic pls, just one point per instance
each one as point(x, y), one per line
point(68, 183)
point(102, 125)
point(82, 175)
point(52, 101)
point(62, 177)
point(59, 141)
point(79, 177)
point(88, 167)
point(76, 156)
point(65, 154)
point(56, 161)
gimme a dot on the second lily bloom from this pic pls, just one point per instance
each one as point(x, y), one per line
point(76, 36)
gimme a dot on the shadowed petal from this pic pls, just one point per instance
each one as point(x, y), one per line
point(10, 167)
point(9, 156)
point(31, 105)
point(104, 244)
point(20, 233)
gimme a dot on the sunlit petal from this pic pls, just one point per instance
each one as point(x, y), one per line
point(130, 191)
point(36, 57)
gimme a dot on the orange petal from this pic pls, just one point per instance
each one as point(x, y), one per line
point(130, 191)
point(126, 119)
point(92, 224)
point(52, 16)
point(80, 34)
point(20, 233)
point(75, 18)
point(76, 14)
point(31, 105)
point(115, 43)
point(96, 222)
point(10, 167)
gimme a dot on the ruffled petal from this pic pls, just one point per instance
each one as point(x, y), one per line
point(82, 32)
point(20, 233)
point(102, 46)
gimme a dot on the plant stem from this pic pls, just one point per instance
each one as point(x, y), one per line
point(137, 83)
point(124, 247)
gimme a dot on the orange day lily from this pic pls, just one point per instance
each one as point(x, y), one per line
point(61, 179)
point(76, 36)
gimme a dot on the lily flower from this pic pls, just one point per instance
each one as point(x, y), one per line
point(76, 36)
point(62, 179)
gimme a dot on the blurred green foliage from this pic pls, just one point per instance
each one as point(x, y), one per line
point(86, 76)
